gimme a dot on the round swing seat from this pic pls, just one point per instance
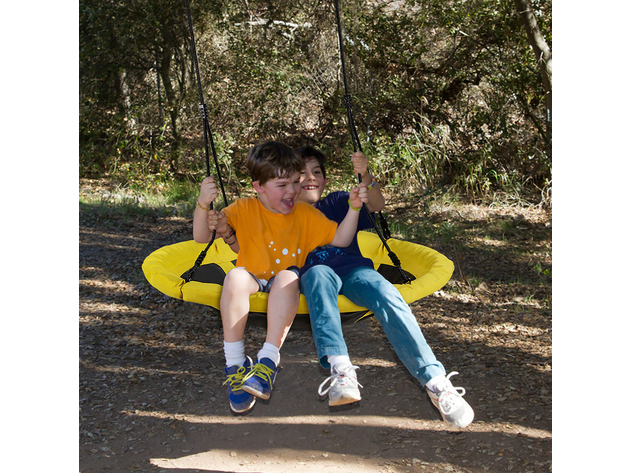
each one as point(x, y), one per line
point(428, 269)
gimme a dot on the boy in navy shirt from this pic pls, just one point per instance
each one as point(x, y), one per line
point(330, 271)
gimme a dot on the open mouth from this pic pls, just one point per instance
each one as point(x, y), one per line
point(288, 203)
point(310, 188)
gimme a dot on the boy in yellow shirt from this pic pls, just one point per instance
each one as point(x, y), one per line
point(272, 234)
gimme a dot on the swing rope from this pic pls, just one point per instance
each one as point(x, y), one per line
point(208, 145)
point(347, 99)
point(356, 144)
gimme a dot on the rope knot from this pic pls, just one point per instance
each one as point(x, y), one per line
point(347, 101)
point(203, 110)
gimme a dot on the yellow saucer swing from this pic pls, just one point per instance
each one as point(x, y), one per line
point(168, 269)
point(164, 268)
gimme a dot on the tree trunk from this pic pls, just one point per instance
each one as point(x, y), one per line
point(125, 95)
point(541, 52)
point(171, 102)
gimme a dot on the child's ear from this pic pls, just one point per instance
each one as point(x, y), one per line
point(257, 187)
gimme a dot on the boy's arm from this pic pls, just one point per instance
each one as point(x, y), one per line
point(207, 194)
point(205, 221)
point(347, 229)
point(360, 164)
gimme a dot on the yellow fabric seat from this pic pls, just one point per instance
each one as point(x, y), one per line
point(163, 268)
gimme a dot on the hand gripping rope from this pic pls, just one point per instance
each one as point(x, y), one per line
point(356, 144)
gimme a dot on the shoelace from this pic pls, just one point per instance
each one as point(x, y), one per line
point(448, 397)
point(235, 380)
point(334, 379)
point(262, 371)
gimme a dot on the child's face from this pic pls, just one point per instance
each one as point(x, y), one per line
point(313, 182)
point(279, 195)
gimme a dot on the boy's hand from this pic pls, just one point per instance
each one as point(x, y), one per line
point(360, 164)
point(208, 191)
point(359, 195)
point(217, 221)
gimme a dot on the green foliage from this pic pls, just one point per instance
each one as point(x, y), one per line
point(543, 274)
point(445, 93)
point(418, 157)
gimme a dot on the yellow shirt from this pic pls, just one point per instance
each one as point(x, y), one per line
point(270, 242)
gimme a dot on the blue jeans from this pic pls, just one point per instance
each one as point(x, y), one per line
point(366, 288)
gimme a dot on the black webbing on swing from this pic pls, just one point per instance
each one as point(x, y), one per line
point(356, 144)
point(208, 140)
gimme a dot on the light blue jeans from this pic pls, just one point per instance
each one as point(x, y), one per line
point(366, 288)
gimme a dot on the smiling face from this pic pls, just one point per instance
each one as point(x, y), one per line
point(279, 195)
point(313, 182)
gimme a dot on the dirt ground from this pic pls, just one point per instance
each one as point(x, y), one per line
point(151, 367)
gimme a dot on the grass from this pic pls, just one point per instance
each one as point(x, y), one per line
point(177, 198)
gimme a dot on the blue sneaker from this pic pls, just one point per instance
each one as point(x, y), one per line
point(259, 381)
point(240, 401)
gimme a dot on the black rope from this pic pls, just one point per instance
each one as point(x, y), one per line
point(208, 145)
point(384, 226)
point(347, 99)
point(356, 144)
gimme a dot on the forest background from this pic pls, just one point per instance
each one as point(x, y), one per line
point(587, 123)
point(449, 97)
point(46, 74)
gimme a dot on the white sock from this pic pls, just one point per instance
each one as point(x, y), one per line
point(436, 381)
point(234, 353)
point(336, 359)
point(270, 351)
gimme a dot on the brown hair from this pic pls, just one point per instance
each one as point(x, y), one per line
point(272, 159)
point(308, 152)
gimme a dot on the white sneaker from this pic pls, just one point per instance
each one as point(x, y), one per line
point(344, 387)
point(449, 400)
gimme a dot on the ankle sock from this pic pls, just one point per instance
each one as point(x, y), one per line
point(270, 351)
point(435, 382)
point(234, 353)
point(336, 359)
